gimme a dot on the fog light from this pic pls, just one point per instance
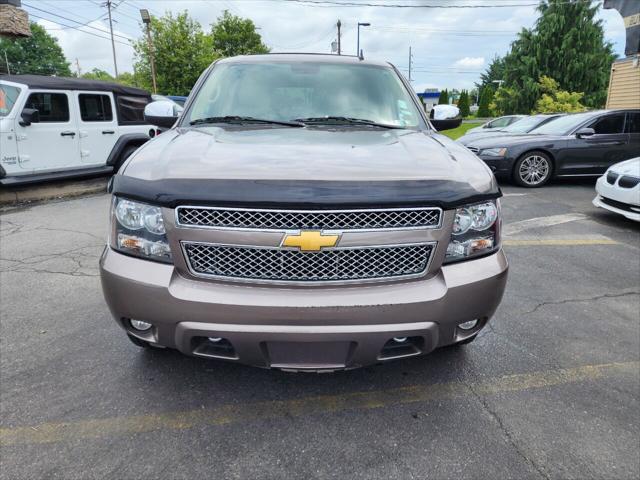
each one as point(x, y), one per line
point(140, 325)
point(400, 339)
point(471, 324)
point(214, 339)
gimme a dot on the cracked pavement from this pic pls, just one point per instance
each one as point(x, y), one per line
point(502, 407)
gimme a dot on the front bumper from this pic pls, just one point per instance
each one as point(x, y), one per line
point(499, 165)
point(624, 201)
point(314, 328)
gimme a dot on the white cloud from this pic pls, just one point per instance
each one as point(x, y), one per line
point(91, 50)
point(470, 62)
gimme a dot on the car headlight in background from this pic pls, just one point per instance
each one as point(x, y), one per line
point(476, 231)
point(493, 152)
point(138, 229)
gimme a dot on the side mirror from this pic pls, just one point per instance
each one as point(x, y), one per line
point(585, 132)
point(446, 117)
point(162, 114)
point(447, 124)
point(29, 116)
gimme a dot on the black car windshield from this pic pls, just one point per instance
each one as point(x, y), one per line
point(525, 125)
point(562, 125)
point(287, 91)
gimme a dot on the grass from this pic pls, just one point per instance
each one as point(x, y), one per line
point(461, 130)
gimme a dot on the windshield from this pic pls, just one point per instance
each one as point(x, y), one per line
point(525, 125)
point(286, 91)
point(562, 125)
point(8, 97)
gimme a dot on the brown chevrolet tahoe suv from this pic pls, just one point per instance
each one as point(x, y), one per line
point(302, 213)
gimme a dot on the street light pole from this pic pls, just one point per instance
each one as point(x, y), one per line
point(339, 25)
point(364, 24)
point(146, 19)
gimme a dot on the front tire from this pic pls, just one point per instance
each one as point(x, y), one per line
point(533, 169)
point(136, 341)
point(123, 158)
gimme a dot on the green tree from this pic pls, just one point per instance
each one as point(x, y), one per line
point(486, 97)
point(566, 43)
point(554, 100)
point(39, 54)
point(444, 97)
point(494, 73)
point(233, 35)
point(182, 52)
point(97, 74)
point(463, 104)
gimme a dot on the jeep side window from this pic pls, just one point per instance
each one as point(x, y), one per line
point(609, 124)
point(95, 108)
point(52, 107)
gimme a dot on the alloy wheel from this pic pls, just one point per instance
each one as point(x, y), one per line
point(534, 170)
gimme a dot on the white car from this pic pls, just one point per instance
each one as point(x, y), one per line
point(618, 190)
point(54, 127)
point(496, 123)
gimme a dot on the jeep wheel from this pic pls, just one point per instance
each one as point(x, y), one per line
point(533, 169)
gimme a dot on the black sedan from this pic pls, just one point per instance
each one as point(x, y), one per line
point(575, 145)
point(525, 125)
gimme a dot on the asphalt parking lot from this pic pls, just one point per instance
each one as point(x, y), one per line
point(550, 390)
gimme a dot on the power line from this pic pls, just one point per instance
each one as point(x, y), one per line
point(81, 31)
point(80, 24)
point(333, 3)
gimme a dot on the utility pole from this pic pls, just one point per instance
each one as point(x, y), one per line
point(146, 19)
point(339, 25)
point(6, 60)
point(410, 60)
point(113, 43)
point(78, 67)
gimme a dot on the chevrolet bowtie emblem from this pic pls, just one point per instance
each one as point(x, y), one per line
point(310, 240)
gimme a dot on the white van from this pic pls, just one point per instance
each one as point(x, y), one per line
point(53, 127)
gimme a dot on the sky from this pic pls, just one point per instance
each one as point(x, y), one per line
point(450, 46)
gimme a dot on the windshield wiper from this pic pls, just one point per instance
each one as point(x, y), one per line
point(237, 119)
point(335, 120)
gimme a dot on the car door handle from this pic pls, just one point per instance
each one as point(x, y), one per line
point(68, 134)
point(108, 132)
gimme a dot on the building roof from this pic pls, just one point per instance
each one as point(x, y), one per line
point(65, 83)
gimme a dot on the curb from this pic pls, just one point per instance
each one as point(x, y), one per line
point(51, 191)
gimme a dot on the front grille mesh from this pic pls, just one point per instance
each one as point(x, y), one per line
point(276, 264)
point(318, 219)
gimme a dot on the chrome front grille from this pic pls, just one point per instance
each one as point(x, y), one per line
point(235, 218)
point(278, 264)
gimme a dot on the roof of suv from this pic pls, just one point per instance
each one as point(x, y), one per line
point(303, 57)
point(70, 83)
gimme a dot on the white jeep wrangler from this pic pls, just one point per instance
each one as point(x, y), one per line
point(52, 127)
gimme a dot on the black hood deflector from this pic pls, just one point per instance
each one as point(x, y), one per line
point(300, 194)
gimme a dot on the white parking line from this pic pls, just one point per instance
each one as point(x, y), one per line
point(539, 222)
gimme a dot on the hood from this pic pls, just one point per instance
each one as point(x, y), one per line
point(507, 141)
point(473, 136)
point(628, 167)
point(251, 160)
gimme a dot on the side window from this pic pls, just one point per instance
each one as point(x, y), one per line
point(609, 124)
point(500, 122)
point(131, 109)
point(633, 122)
point(52, 107)
point(95, 108)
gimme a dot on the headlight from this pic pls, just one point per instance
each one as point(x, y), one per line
point(138, 229)
point(493, 152)
point(476, 231)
